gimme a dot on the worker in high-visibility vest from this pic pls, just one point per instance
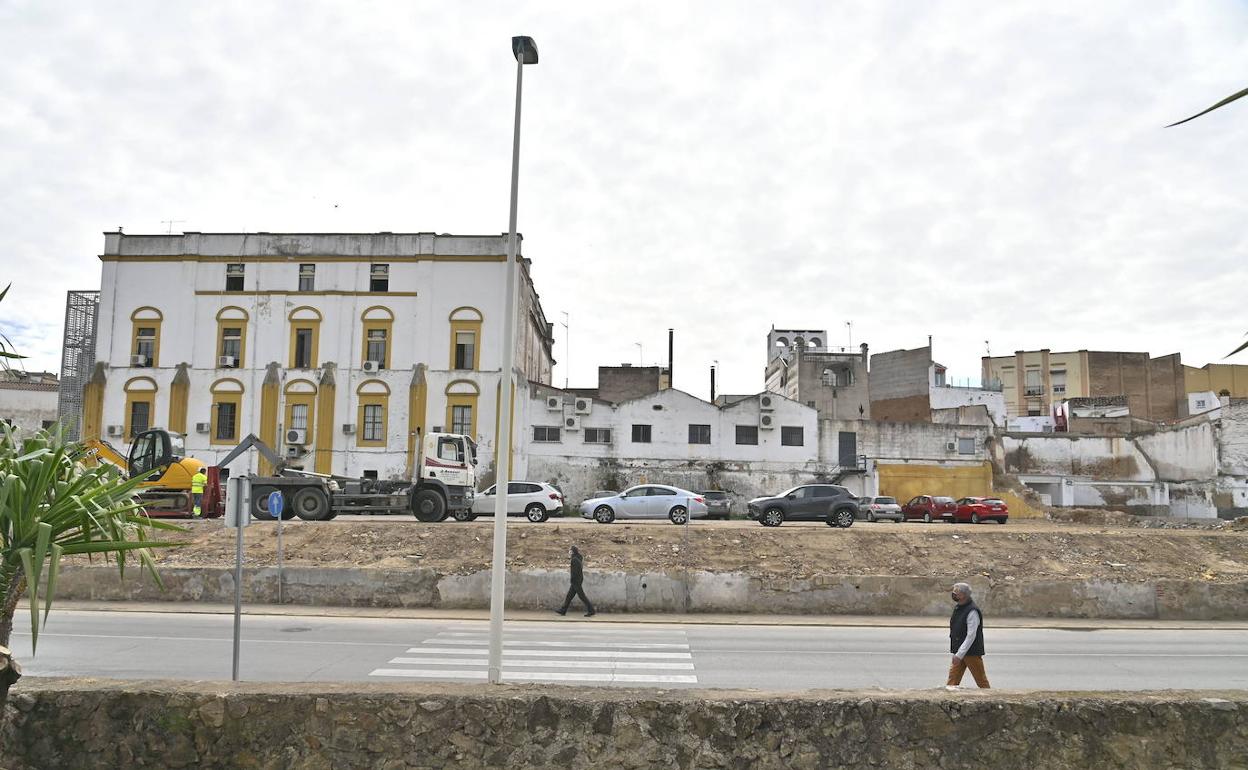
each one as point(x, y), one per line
point(198, 482)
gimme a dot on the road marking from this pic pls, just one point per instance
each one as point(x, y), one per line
point(536, 676)
point(631, 664)
point(516, 643)
point(558, 653)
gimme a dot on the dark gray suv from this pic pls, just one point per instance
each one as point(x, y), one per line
point(810, 502)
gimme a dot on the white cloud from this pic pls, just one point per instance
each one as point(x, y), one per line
point(971, 171)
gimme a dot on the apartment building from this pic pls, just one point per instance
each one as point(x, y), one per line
point(336, 348)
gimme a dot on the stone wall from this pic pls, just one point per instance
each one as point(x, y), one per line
point(74, 724)
point(677, 591)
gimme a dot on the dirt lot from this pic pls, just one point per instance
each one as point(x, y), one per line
point(1018, 550)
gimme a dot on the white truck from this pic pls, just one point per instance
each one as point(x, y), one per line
point(444, 483)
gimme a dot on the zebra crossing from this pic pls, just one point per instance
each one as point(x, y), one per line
point(531, 655)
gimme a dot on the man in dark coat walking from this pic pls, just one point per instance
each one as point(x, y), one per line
point(966, 638)
point(575, 589)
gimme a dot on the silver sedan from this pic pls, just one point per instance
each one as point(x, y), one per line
point(647, 501)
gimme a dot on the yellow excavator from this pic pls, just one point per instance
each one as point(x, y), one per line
point(167, 492)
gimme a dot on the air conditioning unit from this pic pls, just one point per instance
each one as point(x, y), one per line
point(116, 430)
point(766, 421)
point(138, 360)
point(225, 362)
point(571, 422)
point(950, 446)
point(372, 366)
point(766, 402)
point(203, 427)
point(554, 403)
point(584, 405)
point(348, 428)
point(296, 436)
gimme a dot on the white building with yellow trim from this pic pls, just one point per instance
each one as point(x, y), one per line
point(334, 348)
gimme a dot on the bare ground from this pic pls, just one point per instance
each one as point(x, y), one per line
point(1025, 549)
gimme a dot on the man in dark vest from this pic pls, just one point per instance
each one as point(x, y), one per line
point(966, 638)
point(578, 577)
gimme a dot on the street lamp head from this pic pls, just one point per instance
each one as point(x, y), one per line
point(524, 49)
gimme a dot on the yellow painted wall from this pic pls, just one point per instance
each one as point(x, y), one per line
point(1217, 378)
point(906, 481)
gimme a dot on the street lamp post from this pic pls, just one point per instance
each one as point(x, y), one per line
point(525, 51)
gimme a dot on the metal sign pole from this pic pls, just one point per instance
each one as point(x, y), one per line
point(277, 497)
point(238, 499)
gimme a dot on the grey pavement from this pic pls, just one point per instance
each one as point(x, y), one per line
point(288, 646)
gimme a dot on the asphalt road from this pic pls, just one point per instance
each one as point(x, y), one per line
point(583, 651)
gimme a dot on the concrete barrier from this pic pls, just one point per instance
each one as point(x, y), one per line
point(74, 724)
point(672, 592)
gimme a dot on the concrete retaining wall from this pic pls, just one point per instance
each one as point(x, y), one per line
point(671, 592)
point(89, 724)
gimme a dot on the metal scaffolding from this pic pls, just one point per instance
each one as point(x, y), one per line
point(77, 358)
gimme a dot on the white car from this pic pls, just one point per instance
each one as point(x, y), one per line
point(647, 501)
point(532, 499)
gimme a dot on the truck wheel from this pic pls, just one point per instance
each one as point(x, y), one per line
point(428, 505)
point(535, 513)
point(462, 515)
point(310, 504)
point(260, 503)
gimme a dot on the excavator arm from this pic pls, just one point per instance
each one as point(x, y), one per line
point(252, 441)
point(99, 450)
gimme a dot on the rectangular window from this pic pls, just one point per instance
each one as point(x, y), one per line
point(1034, 383)
point(303, 348)
point(747, 435)
point(699, 434)
point(545, 433)
point(232, 344)
point(597, 435)
point(299, 416)
point(376, 347)
point(373, 423)
point(145, 344)
point(461, 419)
point(465, 349)
point(1200, 404)
point(966, 446)
point(641, 434)
point(379, 278)
point(307, 277)
point(792, 435)
point(140, 417)
point(227, 421)
point(234, 277)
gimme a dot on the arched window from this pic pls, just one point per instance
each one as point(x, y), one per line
point(461, 407)
point(231, 337)
point(145, 337)
point(227, 407)
point(140, 405)
point(374, 413)
point(466, 338)
point(782, 342)
point(305, 337)
point(378, 324)
point(301, 408)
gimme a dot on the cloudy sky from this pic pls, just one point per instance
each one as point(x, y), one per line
point(980, 172)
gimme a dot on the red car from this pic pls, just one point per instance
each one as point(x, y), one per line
point(928, 508)
point(980, 509)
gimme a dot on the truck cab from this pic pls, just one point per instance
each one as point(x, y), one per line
point(447, 476)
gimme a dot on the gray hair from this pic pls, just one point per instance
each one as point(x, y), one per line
point(962, 588)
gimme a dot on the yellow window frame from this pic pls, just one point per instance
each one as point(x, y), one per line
point(462, 399)
point(241, 324)
point(373, 325)
point(301, 399)
point(219, 397)
point(373, 399)
point(133, 396)
point(143, 323)
point(467, 326)
point(315, 326)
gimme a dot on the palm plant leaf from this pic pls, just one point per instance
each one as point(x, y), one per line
point(1222, 103)
point(1236, 350)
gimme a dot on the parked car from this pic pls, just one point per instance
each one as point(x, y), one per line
point(810, 502)
point(879, 508)
point(534, 500)
point(718, 503)
point(929, 508)
point(647, 501)
point(979, 509)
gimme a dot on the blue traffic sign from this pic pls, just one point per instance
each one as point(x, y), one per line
point(275, 504)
